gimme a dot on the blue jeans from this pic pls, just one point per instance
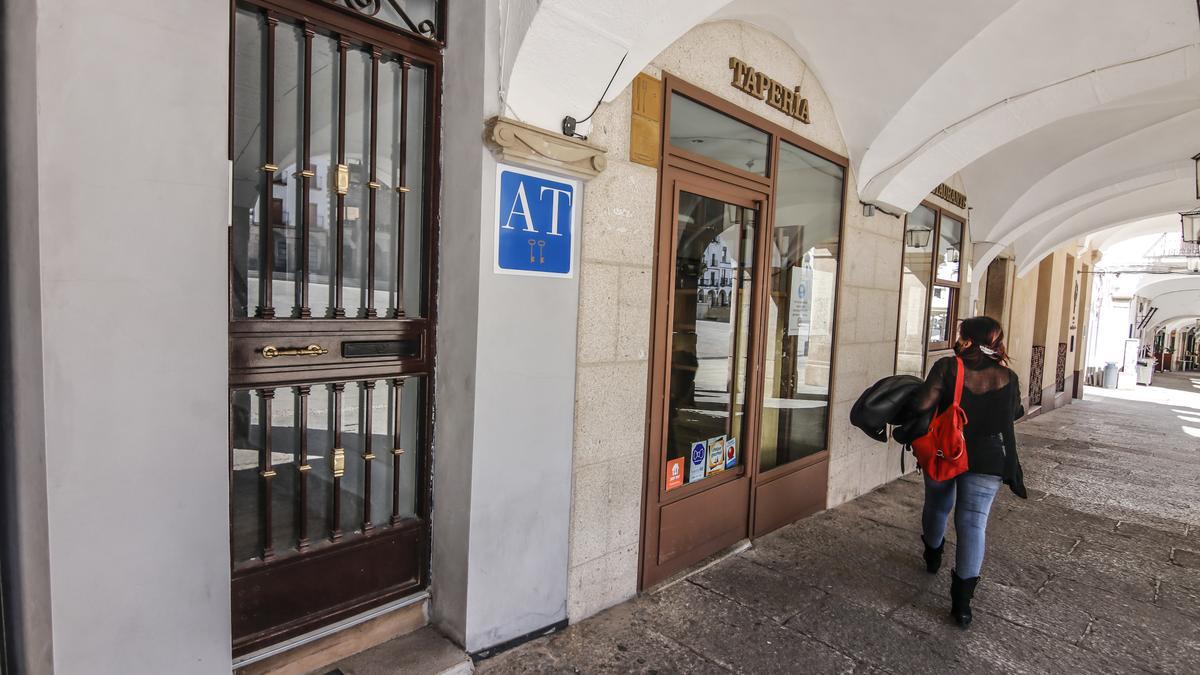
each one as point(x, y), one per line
point(975, 492)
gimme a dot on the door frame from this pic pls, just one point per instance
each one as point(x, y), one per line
point(714, 179)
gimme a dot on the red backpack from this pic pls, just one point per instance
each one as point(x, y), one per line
point(942, 453)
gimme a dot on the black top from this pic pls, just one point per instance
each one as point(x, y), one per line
point(991, 397)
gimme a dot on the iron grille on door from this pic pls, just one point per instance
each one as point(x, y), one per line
point(331, 326)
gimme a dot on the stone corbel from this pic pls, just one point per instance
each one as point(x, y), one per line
point(520, 143)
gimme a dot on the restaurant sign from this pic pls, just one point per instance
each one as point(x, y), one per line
point(765, 88)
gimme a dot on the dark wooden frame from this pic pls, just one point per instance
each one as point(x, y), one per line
point(736, 489)
point(955, 287)
point(415, 534)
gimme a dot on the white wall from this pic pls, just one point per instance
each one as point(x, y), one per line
point(131, 212)
point(506, 385)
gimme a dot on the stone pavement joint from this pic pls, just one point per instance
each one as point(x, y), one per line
point(1096, 572)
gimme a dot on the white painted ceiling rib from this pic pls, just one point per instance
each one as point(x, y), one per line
point(1061, 117)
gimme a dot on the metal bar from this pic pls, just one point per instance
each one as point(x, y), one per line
point(302, 469)
point(368, 456)
point(266, 473)
point(401, 186)
point(335, 527)
point(339, 310)
point(266, 307)
point(306, 174)
point(372, 184)
point(397, 450)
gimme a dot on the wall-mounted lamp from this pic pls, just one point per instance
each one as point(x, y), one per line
point(1190, 222)
point(1196, 162)
point(917, 237)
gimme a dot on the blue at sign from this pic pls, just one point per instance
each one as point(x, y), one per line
point(535, 224)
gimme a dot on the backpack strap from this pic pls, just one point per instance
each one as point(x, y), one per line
point(958, 380)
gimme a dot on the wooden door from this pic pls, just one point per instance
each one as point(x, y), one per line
point(333, 147)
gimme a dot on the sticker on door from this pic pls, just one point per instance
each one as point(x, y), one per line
point(716, 455)
point(674, 473)
point(698, 457)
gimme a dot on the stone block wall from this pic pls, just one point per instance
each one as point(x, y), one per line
point(617, 259)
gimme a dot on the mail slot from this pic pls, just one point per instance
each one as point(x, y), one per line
point(380, 349)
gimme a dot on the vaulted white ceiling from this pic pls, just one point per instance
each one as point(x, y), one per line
point(1062, 117)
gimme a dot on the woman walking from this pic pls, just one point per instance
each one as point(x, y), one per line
point(992, 401)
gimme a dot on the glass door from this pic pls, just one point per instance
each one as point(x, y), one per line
point(705, 417)
point(330, 319)
point(710, 322)
point(746, 276)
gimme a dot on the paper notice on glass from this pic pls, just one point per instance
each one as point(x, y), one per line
point(799, 301)
point(716, 455)
point(731, 458)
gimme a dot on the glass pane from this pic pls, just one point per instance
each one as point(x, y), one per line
point(414, 203)
point(285, 449)
point(245, 485)
point(949, 247)
point(322, 220)
point(249, 154)
point(939, 315)
point(352, 443)
point(286, 195)
point(412, 399)
point(320, 476)
point(709, 335)
point(914, 291)
point(358, 142)
point(387, 200)
point(704, 131)
point(799, 317)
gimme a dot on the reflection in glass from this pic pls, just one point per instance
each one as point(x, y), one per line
point(358, 143)
point(322, 207)
point(704, 131)
point(939, 315)
point(949, 248)
point(387, 199)
point(709, 341)
point(914, 291)
point(414, 204)
point(287, 197)
point(244, 483)
point(249, 154)
point(799, 317)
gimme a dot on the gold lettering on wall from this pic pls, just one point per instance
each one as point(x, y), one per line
point(951, 195)
point(761, 86)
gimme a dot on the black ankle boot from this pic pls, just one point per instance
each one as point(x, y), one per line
point(933, 556)
point(961, 592)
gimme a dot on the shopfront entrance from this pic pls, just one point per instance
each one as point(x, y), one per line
point(746, 267)
point(333, 120)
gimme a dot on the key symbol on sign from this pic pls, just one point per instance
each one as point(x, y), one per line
point(541, 251)
point(532, 243)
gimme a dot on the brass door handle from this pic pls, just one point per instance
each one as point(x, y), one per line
point(271, 351)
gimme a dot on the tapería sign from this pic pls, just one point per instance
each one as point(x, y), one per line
point(951, 195)
point(536, 220)
point(765, 88)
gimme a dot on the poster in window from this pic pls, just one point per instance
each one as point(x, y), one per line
point(800, 303)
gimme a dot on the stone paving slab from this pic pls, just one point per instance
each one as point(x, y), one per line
point(1098, 572)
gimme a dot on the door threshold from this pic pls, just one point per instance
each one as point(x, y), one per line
point(333, 629)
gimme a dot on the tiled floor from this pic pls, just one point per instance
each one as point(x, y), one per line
point(1098, 572)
